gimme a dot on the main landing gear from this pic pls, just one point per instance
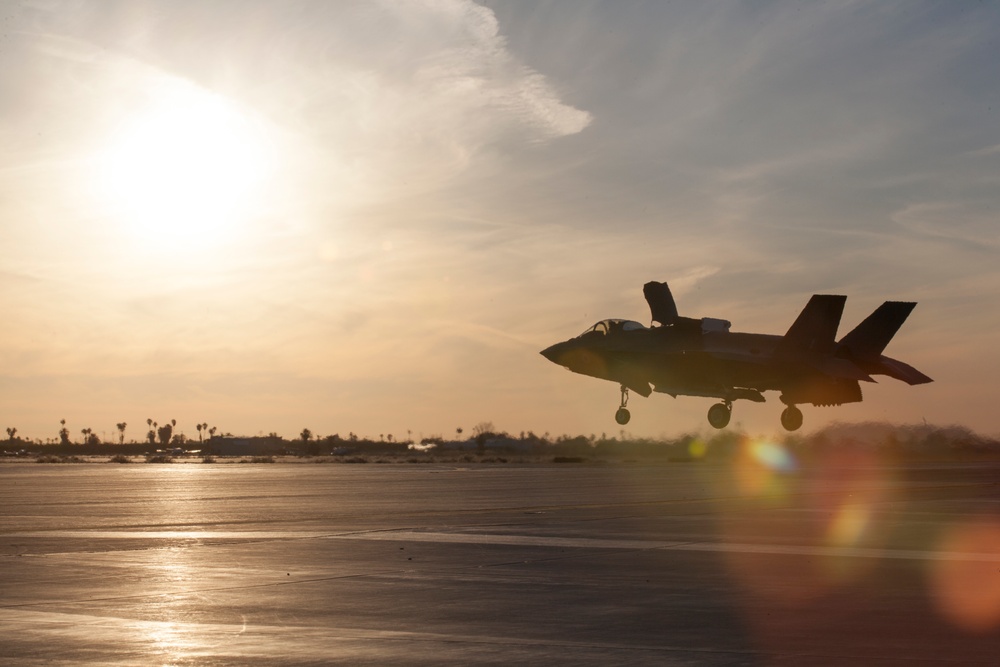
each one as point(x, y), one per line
point(791, 418)
point(623, 415)
point(719, 414)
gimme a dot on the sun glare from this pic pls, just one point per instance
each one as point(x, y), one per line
point(187, 171)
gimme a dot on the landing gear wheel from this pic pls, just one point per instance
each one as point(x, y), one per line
point(791, 418)
point(719, 414)
point(622, 416)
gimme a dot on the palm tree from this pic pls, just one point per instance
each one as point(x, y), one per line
point(165, 432)
point(11, 432)
point(121, 430)
point(198, 426)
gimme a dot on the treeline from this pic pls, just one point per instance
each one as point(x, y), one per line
point(887, 441)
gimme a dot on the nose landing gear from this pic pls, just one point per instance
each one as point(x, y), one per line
point(623, 415)
point(719, 414)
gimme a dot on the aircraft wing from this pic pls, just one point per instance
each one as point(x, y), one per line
point(824, 363)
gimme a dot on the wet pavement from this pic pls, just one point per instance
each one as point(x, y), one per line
point(751, 562)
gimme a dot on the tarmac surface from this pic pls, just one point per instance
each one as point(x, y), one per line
point(751, 562)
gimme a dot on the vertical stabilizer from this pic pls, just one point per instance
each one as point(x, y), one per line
point(815, 329)
point(867, 340)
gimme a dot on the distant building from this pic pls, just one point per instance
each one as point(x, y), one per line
point(222, 445)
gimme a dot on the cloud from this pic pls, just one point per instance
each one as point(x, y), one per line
point(952, 221)
point(385, 95)
point(988, 150)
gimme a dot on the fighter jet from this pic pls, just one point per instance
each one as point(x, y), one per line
point(684, 356)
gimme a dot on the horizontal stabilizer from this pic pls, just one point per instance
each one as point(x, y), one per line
point(815, 329)
point(867, 340)
point(900, 371)
point(840, 368)
point(661, 302)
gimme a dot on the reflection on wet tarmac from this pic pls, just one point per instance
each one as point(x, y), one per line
point(759, 562)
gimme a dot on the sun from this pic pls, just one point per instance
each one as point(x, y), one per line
point(187, 170)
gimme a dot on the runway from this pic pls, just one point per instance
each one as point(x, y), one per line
point(738, 563)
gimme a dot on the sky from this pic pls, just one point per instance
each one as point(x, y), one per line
point(369, 217)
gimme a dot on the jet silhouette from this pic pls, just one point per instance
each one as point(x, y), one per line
point(685, 356)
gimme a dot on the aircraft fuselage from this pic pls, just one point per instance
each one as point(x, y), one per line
point(703, 357)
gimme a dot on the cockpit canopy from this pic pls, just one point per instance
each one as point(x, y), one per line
point(614, 326)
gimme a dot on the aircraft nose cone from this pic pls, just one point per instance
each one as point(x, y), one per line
point(552, 352)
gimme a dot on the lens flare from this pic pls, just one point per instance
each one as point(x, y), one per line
point(772, 455)
point(697, 448)
point(848, 525)
point(833, 499)
point(967, 590)
point(759, 468)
